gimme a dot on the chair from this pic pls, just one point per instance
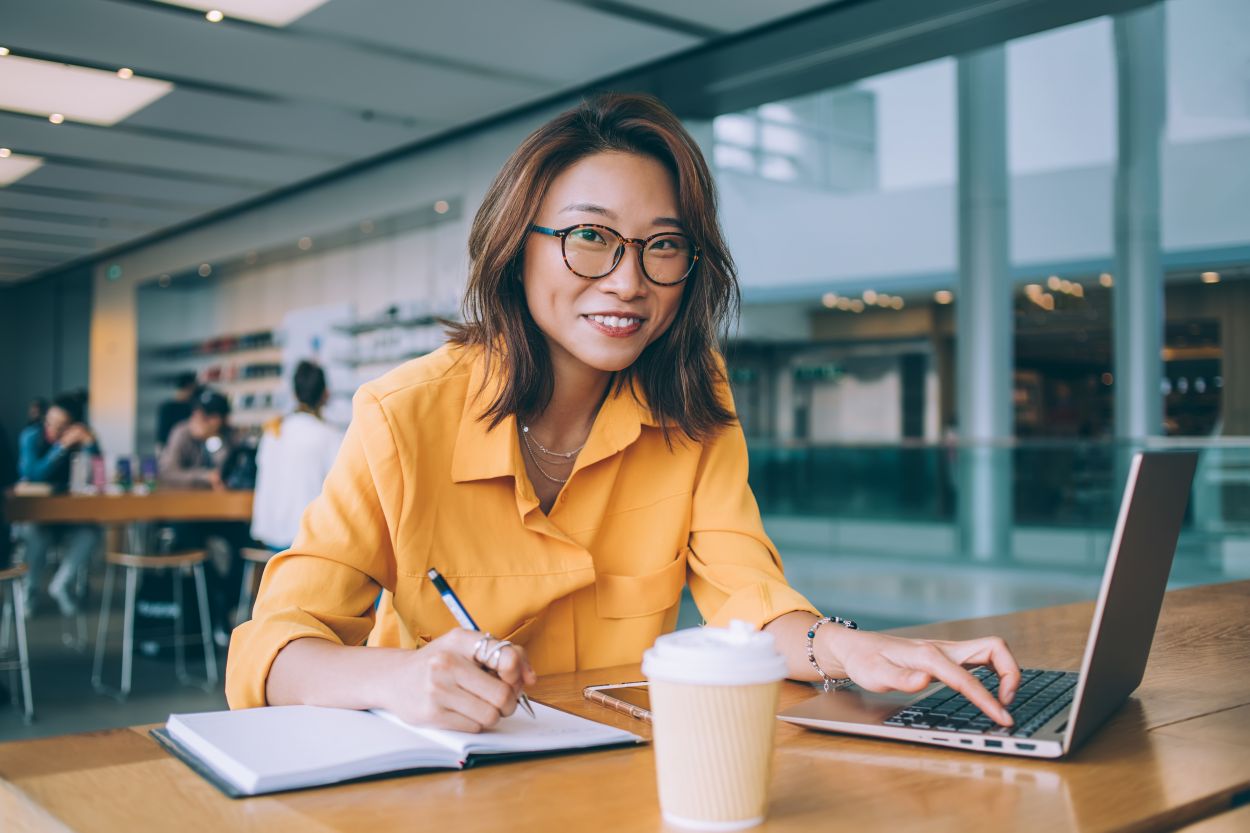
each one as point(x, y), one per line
point(192, 561)
point(252, 556)
point(16, 603)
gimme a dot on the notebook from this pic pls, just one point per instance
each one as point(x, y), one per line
point(277, 748)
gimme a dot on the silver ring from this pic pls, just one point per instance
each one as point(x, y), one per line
point(492, 659)
point(478, 657)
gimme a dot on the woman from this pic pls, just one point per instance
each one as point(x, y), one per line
point(292, 461)
point(569, 462)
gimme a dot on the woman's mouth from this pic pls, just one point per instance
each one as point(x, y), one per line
point(614, 325)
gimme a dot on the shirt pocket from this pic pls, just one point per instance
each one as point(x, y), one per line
point(625, 597)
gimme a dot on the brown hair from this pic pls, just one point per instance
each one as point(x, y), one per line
point(678, 372)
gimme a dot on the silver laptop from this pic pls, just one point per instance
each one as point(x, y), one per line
point(1054, 711)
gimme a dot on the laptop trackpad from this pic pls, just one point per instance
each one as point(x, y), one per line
point(852, 705)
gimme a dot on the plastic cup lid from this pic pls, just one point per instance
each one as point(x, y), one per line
point(737, 655)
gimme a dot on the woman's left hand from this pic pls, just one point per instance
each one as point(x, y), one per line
point(878, 662)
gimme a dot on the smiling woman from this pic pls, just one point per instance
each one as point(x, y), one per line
point(569, 463)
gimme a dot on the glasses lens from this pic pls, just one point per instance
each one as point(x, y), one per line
point(668, 258)
point(591, 252)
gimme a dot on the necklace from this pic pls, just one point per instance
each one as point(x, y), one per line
point(567, 455)
point(530, 450)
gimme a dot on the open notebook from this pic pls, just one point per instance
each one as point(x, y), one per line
point(264, 750)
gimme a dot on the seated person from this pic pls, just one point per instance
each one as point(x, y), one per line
point(44, 457)
point(294, 457)
point(198, 445)
point(570, 462)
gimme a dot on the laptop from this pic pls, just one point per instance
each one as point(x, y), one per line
point(1054, 711)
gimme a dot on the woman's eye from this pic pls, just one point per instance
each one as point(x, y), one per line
point(587, 235)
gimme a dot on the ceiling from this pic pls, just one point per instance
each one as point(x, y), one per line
point(255, 108)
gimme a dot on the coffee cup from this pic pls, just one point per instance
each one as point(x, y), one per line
point(713, 698)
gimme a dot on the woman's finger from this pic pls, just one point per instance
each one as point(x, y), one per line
point(933, 660)
point(485, 686)
point(991, 651)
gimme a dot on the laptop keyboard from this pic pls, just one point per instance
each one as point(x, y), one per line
point(1041, 696)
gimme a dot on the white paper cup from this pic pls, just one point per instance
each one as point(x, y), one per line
point(714, 706)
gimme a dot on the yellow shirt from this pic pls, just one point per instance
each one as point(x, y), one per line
point(420, 482)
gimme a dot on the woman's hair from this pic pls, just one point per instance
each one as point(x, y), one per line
point(310, 384)
point(73, 403)
point(678, 373)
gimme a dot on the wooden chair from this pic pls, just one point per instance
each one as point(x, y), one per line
point(191, 561)
point(16, 603)
point(253, 556)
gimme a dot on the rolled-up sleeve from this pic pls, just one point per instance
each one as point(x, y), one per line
point(326, 584)
point(735, 571)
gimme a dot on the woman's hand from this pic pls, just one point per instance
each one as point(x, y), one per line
point(443, 685)
point(878, 662)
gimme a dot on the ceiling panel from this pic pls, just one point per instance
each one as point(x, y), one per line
point(564, 44)
point(92, 236)
point(106, 146)
point(730, 15)
point(108, 214)
point(89, 181)
point(162, 42)
point(337, 136)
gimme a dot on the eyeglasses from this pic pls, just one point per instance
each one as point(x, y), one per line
point(593, 251)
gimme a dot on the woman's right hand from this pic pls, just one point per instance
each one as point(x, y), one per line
point(444, 686)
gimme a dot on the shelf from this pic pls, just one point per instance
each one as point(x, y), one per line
point(221, 346)
point(392, 323)
point(387, 360)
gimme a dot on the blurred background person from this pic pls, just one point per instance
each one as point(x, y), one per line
point(177, 409)
point(35, 411)
point(196, 448)
point(44, 457)
point(295, 454)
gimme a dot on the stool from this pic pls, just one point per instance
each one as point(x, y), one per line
point(252, 556)
point(12, 576)
point(183, 562)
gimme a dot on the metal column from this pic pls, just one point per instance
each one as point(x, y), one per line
point(984, 322)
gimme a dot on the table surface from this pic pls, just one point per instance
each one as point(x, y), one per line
point(160, 505)
point(1175, 754)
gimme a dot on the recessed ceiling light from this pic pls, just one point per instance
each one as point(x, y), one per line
point(205, 270)
point(14, 166)
point(305, 243)
point(442, 207)
point(829, 300)
point(1210, 277)
point(1106, 280)
point(268, 12)
point(944, 296)
point(63, 92)
point(125, 73)
point(4, 50)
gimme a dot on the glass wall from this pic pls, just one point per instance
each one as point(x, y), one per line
point(842, 209)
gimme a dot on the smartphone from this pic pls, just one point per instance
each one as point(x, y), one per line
point(627, 698)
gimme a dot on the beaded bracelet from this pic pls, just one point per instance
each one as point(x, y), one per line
point(830, 683)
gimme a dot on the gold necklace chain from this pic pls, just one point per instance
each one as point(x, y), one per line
point(530, 450)
point(567, 455)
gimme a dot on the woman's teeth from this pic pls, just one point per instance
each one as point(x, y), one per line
point(613, 321)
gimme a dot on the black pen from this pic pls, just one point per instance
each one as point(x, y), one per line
point(466, 621)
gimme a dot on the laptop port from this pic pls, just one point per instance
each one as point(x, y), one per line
point(993, 744)
point(967, 741)
point(1026, 747)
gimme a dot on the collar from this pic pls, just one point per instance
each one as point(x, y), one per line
point(482, 452)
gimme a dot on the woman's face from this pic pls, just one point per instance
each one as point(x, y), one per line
point(603, 324)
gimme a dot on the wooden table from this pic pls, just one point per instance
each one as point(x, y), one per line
point(160, 505)
point(1177, 753)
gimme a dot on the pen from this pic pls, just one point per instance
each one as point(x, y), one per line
point(464, 619)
